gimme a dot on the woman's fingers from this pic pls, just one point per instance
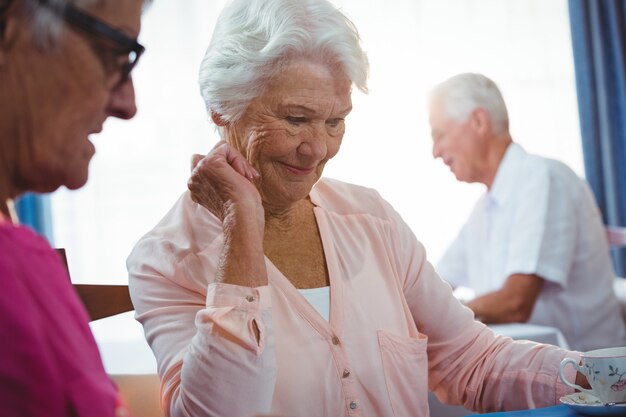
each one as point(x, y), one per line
point(232, 157)
point(240, 164)
point(221, 177)
point(195, 158)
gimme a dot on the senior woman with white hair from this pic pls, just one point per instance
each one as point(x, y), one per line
point(64, 68)
point(267, 288)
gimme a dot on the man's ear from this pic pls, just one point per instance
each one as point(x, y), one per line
point(481, 120)
point(217, 119)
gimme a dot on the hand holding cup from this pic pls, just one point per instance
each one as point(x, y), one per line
point(605, 370)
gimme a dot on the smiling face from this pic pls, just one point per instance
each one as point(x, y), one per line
point(458, 144)
point(291, 131)
point(58, 97)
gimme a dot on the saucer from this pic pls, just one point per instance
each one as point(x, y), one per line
point(589, 405)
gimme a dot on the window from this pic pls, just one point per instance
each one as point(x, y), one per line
point(142, 165)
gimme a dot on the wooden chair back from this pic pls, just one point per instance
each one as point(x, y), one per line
point(101, 300)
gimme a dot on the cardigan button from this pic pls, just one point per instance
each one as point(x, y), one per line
point(352, 405)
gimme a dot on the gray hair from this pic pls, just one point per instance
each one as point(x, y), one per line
point(47, 25)
point(463, 93)
point(253, 38)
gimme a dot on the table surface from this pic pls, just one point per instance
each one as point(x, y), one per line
point(534, 332)
point(556, 411)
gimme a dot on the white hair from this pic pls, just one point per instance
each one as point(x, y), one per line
point(253, 38)
point(463, 93)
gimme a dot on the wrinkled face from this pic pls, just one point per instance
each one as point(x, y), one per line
point(65, 94)
point(455, 143)
point(293, 129)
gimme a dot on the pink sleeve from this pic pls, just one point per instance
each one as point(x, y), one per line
point(207, 351)
point(225, 363)
point(202, 333)
point(467, 363)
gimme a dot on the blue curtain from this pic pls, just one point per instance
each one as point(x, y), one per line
point(34, 210)
point(599, 43)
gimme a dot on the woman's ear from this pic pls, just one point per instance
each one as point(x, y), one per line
point(228, 131)
point(217, 119)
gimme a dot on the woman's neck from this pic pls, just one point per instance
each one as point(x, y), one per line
point(287, 218)
point(9, 141)
point(6, 197)
point(7, 211)
point(8, 157)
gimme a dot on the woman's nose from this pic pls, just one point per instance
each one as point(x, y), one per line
point(122, 101)
point(315, 145)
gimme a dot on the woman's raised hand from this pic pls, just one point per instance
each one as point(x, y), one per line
point(223, 181)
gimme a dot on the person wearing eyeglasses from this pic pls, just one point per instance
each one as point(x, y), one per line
point(64, 69)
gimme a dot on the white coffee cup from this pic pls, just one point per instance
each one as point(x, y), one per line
point(605, 369)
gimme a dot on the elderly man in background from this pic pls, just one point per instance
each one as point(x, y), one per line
point(64, 69)
point(534, 247)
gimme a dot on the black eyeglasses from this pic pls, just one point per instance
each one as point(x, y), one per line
point(124, 45)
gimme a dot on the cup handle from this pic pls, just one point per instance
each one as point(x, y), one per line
point(579, 368)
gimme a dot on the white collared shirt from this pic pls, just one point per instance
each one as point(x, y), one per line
point(540, 218)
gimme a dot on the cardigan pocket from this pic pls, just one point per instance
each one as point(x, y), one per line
point(405, 365)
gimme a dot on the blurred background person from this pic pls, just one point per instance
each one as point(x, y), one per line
point(64, 69)
point(534, 248)
point(268, 288)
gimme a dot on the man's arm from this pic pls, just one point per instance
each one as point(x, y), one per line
point(513, 303)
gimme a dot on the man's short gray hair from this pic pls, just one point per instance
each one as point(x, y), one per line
point(463, 93)
point(253, 38)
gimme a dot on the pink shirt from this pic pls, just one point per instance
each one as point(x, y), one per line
point(49, 362)
point(395, 329)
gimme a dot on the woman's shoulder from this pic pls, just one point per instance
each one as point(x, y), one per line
point(346, 198)
point(16, 239)
point(32, 263)
point(186, 228)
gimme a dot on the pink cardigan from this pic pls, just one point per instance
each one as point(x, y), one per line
point(395, 329)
